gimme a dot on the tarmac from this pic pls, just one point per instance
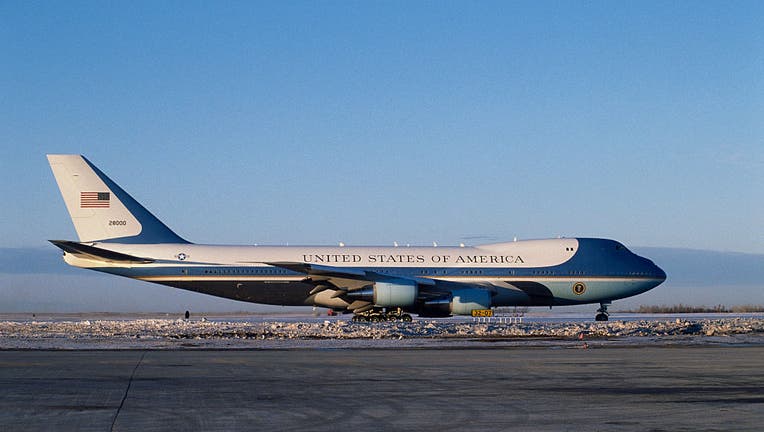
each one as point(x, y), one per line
point(639, 388)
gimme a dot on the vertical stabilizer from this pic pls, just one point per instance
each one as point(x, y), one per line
point(100, 209)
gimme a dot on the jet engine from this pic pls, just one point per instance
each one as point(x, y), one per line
point(400, 293)
point(328, 298)
point(464, 301)
point(461, 302)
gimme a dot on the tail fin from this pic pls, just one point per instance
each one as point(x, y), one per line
point(100, 209)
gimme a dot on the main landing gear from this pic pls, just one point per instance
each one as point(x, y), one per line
point(379, 314)
point(602, 314)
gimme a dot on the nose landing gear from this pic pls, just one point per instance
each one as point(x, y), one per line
point(602, 314)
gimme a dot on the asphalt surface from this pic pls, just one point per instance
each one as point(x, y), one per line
point(612, 389)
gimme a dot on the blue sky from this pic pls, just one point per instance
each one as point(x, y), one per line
point(374, 122)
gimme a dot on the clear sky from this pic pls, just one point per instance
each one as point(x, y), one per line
point(372, 122)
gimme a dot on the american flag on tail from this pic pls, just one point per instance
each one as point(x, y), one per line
point(94, 199)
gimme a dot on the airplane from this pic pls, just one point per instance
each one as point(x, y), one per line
point(117, 235)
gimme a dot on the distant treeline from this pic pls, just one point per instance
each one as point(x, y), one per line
point(682, 308)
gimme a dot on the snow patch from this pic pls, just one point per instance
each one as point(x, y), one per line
point(179, 333)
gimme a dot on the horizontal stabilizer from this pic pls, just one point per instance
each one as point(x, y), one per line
point(98, 254)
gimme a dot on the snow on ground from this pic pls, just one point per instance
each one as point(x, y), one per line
point(159, 333)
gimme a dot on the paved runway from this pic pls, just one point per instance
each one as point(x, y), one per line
point(609, 389)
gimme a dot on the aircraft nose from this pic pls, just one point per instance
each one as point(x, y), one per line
point(657, 272)
point(652, 271)
point(660, 273)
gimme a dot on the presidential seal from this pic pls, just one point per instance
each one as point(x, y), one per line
point(579, 288)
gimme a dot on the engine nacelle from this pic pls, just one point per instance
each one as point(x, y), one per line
point(328, 298)
point(397, 294)
point(464, 301)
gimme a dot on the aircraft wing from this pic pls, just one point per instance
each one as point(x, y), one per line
point(354, 279)
point(346, 273)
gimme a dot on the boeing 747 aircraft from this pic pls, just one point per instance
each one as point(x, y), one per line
point(117, 235)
